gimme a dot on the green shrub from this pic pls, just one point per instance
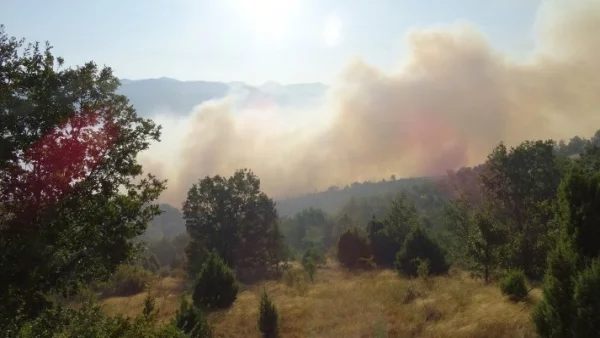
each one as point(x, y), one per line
point(417, 247)
point(351, 247)
point(513, 285)
point(267, 317)
point(314, 254)
point(310, 268)
point(216, 286)
point(191, 320)
point(586, 300)
point(128, 280)
point(90, 321)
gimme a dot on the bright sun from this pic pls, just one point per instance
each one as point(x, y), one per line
point(333, 31)
point(270, 18)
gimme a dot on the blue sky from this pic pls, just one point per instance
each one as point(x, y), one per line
point(288, 41)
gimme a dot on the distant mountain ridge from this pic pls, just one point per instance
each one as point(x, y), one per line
point(167, 95)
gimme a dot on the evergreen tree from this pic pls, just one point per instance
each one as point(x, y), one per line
point(352, 246)
point(215, 286)
point(191, 320)
point(571, 271)
point(268, 321)
point(418, 246)
point(383, 247)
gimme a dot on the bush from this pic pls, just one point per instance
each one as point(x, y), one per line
point(417, 247)
point(128, 280)
point(191, 320)
point(513, 285)
point(310, 268)
point(586, 300)
point(383, 247)
point(267, 317)
point(216, 286)
point(90, 321)
point(314, 254)
point(351, 247)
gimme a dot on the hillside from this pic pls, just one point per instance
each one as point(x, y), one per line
point(174, 97)
point(359, 304)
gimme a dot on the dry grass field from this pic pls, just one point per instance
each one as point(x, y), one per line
point(365, 304)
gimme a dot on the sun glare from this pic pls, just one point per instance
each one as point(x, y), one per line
point(332, 32)
point(270, 18)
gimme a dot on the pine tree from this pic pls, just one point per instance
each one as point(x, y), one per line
point(191, 321)
point(419, 246)
point(571, 271)
point(216, 286)
point(268, 317)
point(352, 246)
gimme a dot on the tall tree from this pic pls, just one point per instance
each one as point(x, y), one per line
point(72, 198)
point(522, 183)
point(401, 219)
point(237, 220)
point(572, 265)
point(483, 241)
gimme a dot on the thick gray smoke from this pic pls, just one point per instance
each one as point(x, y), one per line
point(447, 105)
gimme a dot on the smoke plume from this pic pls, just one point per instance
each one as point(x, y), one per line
point(446, 105)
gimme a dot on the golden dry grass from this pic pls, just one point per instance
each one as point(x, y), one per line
point(367, 304)
point(167, 292)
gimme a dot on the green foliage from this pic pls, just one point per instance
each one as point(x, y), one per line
point(418, 246)
point(311, 268)
point(513, 285)
point(314, 254)
point(401, 219)
point(482, 246)
point(191, 320)
point(234, 218)
point(268, 321)
point(384, 247)
point(579, 207)
point(215, 286)
point(572, 269)
point(149, 310)
point(553, 316)
point(520, 183)
point(309, 227)
point(352, 246)
point(310, 259)
point(128, 280)
point(586, 301)
point(71, 208)
point(91, 322)
point(423, 269)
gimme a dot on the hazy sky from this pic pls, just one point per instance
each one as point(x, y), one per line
point(254, 41)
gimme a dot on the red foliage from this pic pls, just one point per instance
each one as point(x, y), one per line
point(62, 157)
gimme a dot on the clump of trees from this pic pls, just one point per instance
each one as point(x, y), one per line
point(234, 218)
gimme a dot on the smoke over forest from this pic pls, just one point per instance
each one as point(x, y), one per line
point(447, 104)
